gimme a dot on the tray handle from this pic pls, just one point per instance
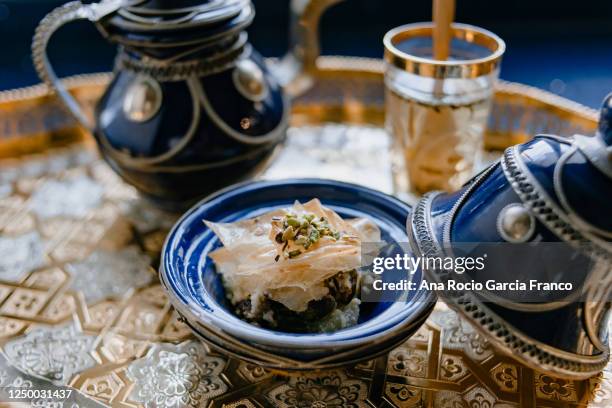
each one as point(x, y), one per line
point(62, 15)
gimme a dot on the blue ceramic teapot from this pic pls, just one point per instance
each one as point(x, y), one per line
point(191, 107)
point(553, 196)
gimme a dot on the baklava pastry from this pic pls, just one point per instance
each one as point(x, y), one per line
point(295, 269)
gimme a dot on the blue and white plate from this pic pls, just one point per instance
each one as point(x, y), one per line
point(195, 287)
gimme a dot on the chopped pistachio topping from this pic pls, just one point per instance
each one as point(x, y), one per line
point(294, 253)
point(303, 230)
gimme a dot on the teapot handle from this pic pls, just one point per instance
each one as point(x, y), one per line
point(296, 68)
point(69, 12)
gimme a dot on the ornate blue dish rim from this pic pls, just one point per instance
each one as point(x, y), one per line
point(184, 265)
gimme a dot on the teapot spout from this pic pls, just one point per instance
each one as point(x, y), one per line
point(295, 70)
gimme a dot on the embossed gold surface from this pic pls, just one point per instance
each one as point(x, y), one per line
point(80, 303)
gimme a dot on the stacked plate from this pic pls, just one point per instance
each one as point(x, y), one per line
point(196, 291)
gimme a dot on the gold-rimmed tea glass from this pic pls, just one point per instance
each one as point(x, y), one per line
point(437, 110)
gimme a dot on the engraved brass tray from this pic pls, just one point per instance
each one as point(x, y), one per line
point(80, 304)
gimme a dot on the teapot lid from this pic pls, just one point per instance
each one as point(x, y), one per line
point(171, 5)
point(157, 15)
point(157, 24)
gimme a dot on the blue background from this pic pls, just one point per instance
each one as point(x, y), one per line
point(564, 46)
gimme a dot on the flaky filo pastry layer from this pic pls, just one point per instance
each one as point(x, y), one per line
point(255, 266)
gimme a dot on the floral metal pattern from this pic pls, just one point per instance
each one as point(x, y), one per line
point(408, 362)
point(549, 387)
point(177, 376)
point(326, 390)
point(53, 353)
point(11, 378)
point(506, 376)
